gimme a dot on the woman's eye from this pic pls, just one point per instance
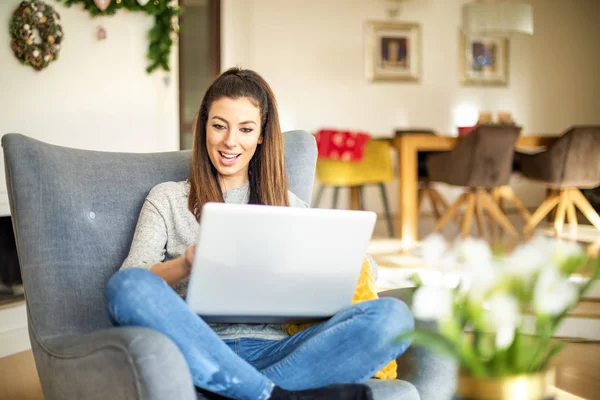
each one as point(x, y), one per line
point(218, 127)
point(246, 130)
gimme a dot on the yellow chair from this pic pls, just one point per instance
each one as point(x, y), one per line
point(375, 168)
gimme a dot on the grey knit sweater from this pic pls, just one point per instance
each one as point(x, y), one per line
point(166, 228)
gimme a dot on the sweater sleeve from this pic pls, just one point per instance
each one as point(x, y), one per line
point(148, 247)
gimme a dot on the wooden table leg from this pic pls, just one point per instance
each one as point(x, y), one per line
point(407, 191)
point(355, 197)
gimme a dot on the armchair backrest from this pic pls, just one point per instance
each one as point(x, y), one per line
point(74, 213)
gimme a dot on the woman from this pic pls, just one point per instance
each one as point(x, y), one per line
point(238, 158)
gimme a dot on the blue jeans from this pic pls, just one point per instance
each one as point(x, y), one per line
point(348, 348)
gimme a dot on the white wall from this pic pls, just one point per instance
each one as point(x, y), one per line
point(97, 95)
point(311, 52)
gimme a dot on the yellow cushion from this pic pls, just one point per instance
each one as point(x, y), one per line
point(365, 290)
point(375, 167)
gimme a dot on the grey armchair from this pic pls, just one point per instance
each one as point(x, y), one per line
point(74, 213)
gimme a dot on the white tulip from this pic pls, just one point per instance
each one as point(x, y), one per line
point(564, 249)
point(502, 316)
point(432, 303)
point(433, 249)
point(553, 293)
point(556, 250)
point(472, 253)
point(505, 336)
point(480, 280)
point(525, 261)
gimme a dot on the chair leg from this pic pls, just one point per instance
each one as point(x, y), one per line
point(550, 193)
point(466, 224)
point(421, 193)
point(495, 212)
point(319, 196)
point(585, 207)
point(491, 225)
point(355, 197)
point(572, 217)
point(439, 200)
point(361, 197)
point(450, 213)
point(559, 219)
point(386, 208)
point(495, 193)
point(442, 204)
point(336, 192)
point(543, 210)
point(435, 205)
point(479, 216)
point(507, 193)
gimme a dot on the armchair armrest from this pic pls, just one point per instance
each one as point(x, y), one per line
point(433, 375)
point(116, 363)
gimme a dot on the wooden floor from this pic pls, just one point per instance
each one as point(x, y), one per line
point(578, 370)
point(18, 378)
point(578, 373)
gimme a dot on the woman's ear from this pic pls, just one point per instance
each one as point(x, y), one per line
point(260, 139)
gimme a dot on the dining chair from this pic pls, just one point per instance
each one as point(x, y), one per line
point(570, 164)
point(481, 162)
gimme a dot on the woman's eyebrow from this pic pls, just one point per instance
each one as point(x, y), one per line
point(227, 122)
point(222, 119)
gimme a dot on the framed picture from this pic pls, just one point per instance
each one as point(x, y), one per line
point(484, 60)
point(392, 51)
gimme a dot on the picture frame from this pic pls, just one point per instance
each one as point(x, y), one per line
point(392, 51)
point(484, 60)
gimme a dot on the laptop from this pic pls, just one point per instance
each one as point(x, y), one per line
point(267, 264)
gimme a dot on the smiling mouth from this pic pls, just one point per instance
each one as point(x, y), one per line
point(229, 156)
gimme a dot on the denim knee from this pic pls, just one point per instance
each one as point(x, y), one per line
point(130, 285)
point(391, 317)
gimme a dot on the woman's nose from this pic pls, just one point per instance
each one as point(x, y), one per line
point(231, 138)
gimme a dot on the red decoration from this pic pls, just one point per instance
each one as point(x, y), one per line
point(464, 130)
point(341, 145)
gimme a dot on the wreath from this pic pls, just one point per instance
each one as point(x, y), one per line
point(36, 34)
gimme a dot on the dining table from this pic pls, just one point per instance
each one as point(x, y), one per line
point(407, 146)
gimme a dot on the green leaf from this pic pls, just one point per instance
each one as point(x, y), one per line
point(431, 340)
point(573, 264)
point(553, 352)
point(160, 44)
point(544, 328)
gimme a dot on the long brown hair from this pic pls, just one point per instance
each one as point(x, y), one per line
point(266, 171)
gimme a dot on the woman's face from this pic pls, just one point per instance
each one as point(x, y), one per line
point(232, 136)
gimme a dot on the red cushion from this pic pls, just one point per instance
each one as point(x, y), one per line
point(341, 145)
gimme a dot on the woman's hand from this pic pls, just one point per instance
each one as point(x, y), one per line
point(188, 257)
point(173, 271)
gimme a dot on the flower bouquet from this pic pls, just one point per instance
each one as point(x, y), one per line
point(497, 311)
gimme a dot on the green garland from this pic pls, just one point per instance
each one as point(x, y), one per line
point(163, 32)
